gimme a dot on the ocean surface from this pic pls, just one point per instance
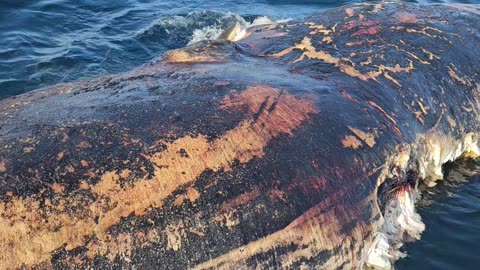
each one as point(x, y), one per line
point(45, 42)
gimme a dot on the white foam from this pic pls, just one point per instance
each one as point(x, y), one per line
point(261, 21)
point(203, 25)
point(213, 32)
point(206, 33)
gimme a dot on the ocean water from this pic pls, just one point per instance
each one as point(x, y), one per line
point(45, 42)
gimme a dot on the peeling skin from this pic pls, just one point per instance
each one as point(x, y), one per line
point(392, 121)
point(368, 138)
point(424, 32)
point(319, 29)
point(171, 172)
point(240, 200)
point(369, 31)
point(431, 56)
point(227, 219)
point(351, 142)
point(377, 7)
point(174, 236)
point(451, 122)
point(193, 160)
point(327, 40)
point(451, 72)
point(410, 54)
point(302, 232)
point(355, 43)
point(57, 188)
point(310, 52)
point(184, 56)
point(350, 12)
point(191, 194)
point(3, 167)
point(422, 108)
point(405, 17)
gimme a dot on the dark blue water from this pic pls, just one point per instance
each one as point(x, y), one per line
point(45, 42)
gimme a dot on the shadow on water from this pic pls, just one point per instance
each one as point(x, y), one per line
point(451, 213)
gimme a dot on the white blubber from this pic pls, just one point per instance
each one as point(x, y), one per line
point(400, 221)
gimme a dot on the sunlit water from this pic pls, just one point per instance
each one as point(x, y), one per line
point(45, 42)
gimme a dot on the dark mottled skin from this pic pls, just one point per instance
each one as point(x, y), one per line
point(112, 123)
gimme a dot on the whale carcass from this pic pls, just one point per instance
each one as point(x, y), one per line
point(302, 145)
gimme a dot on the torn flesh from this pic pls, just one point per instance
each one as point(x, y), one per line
point(401, 222)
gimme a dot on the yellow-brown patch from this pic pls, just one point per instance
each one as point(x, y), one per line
point(327, 40)
point(431, 56)
point(192, 194)
point(315, 231)
point(175, 232)
point(60, 155)
point(451, 122)
point(418, 116)
point(28, 149)
point(29, 238)
point(425, 31)
point(184, 56)
point(454, 75)
point(351, 142)
point(70, 169)
point(179, 200)
point(57, 188)
point(195, 232)
point(368, 138)
point(84, 185)
point(240, 200)
point(405, 17)
point(84, 163)
point(350, 12)
point(422, 107)
point(84, 145)
point(125, 173)
point(3, 166)
point(393, 123)
point(320, 29)
point(276, 194)
point(228, 219)
point(224, 83)
point(345, 66)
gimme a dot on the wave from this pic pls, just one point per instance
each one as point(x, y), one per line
point(182, 30)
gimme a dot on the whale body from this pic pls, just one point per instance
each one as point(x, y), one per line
point(303, 145)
